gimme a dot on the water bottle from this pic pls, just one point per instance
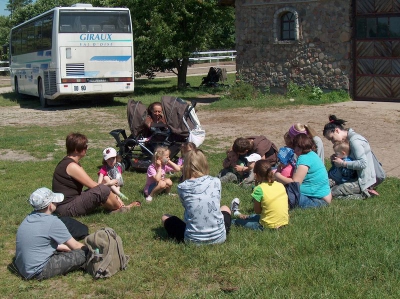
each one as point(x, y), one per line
point(97, 254)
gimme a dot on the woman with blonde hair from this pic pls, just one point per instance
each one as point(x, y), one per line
point(205, 222)
point(299, 128)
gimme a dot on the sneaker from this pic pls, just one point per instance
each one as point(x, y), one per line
point(149, 198)
point(235, 206)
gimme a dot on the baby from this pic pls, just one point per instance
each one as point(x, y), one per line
point(340, 175)
point(286, 159)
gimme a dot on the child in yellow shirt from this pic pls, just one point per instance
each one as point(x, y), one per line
point(270, 201)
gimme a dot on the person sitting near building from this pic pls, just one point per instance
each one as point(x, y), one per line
point(340, 175)
point(310, 174)
point(154, 120)
point(69, 178)
point(286, 158)
point(44, 246)
point(244, 147)
point(270, 202)
point(362, 161)
point(299, 128)
point(205, 221)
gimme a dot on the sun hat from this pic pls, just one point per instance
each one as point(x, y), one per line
point(43, 197)
point(294, 132)
point(109, 152)
point(285, 155)
point(253, 158)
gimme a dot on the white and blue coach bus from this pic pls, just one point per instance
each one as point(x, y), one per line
point(73, 52)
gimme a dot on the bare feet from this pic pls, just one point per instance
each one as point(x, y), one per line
point(123, 209)
point(134, 204)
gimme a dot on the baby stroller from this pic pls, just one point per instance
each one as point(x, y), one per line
point(182, 125)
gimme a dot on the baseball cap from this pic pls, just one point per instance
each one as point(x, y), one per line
point(109, 152)
point(43, 197)
point(253, 158)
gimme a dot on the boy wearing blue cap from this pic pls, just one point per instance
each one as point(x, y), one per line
point(44, 246)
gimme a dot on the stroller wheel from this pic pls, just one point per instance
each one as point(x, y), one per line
point(126, 163)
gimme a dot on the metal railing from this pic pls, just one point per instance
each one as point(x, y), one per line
point(213, 55)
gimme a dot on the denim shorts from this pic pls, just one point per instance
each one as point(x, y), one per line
point(311, 202)
point(251, 222)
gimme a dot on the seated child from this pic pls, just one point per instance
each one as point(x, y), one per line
point(270, 201)
point(44, 246)
point(205, 221)
point(340, 175)
point(156, 181)
point(185, 147)
point(235, 167)
point(112, 169)
point(286, 158)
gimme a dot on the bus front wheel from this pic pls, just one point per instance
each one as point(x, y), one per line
point(42, 99)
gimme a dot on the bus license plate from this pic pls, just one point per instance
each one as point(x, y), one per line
point(79, 87)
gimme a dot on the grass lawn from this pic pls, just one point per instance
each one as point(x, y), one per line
point(347, 250)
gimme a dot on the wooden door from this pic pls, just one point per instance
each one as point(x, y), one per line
point(377, 50)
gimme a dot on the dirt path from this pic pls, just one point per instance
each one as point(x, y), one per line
point(378, 122)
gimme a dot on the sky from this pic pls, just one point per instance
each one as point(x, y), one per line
point(3, 5)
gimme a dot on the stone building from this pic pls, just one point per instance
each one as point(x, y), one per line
point(333, 44)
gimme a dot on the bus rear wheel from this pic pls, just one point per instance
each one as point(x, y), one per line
point(42, 99)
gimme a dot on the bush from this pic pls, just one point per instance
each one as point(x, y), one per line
point(243, 91)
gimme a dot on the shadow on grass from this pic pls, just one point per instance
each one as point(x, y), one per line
point(31, 102)
point(149, 86)
point(12, 268)
point(160, 234)
point(203, 100)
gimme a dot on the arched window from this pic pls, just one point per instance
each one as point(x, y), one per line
point(287, 26)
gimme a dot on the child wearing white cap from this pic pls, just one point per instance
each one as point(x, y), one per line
point(110, 170)
point(40, 235)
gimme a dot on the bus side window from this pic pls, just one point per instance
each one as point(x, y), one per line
point(94, 28)
point(83, 28)
point(66, 28)
point(108, 28)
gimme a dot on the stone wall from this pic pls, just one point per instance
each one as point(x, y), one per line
point(321, 55)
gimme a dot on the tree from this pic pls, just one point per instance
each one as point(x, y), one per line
point(4, 35)
point(13, 5)
point(30, 10)
point(167, 32)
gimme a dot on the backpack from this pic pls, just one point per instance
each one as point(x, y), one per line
point(106, 254)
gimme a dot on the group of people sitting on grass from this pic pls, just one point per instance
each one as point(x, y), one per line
point(279, 179)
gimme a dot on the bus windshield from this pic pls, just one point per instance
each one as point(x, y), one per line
point(94, 21)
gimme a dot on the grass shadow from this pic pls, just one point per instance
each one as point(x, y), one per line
point(31, 102)
point(160, 234)
point(12, 268)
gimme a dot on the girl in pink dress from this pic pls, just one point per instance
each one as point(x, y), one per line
point(156, 181)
